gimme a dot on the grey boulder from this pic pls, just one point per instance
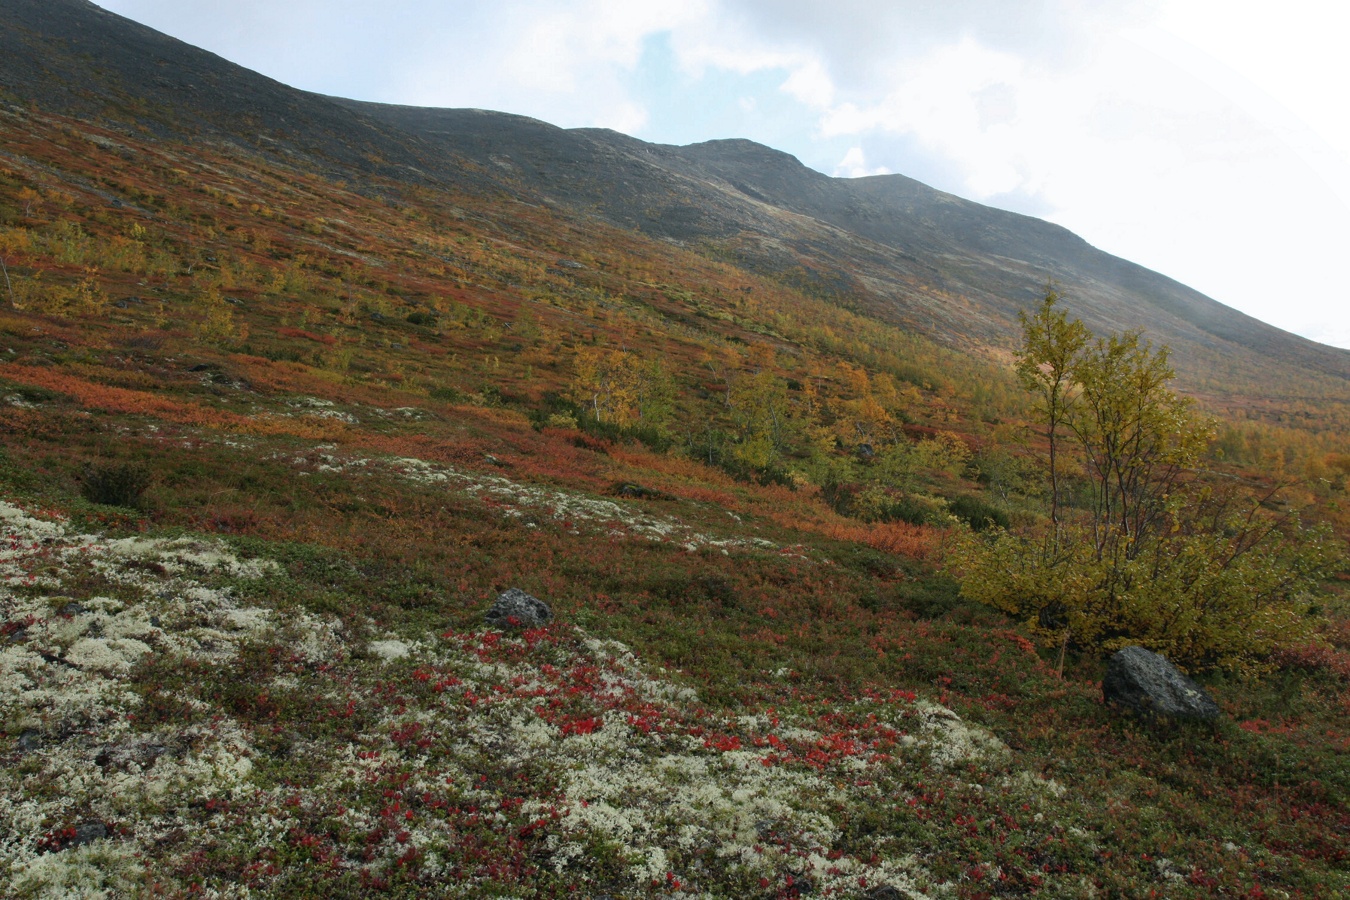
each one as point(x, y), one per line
point(517, 609)
point(1143, 681)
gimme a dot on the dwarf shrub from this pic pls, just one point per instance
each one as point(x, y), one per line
point(116, 484)
point(977, 513)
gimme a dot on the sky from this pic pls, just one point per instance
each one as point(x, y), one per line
point(1206, 139)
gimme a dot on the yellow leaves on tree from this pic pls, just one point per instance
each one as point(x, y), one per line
point(764, 418)
point(217, 324)
point(871, 414)
point(618, 387)
point(83, 299)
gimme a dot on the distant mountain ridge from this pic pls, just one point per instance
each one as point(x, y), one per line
point(947, 267)
point(888, 233)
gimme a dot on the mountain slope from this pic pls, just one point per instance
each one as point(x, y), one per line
point(888, 245)
point(886, 236)
point(74, 58)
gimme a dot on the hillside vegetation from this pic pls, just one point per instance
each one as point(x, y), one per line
point(276, 434)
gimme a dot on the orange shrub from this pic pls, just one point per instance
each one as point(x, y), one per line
point(679, 466)
point(705, 495)
point(325, 339)
point(122, 400)
point(900, 538)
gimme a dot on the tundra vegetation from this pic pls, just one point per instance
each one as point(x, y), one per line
point(272, 445)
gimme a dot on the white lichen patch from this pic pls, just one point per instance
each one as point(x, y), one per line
point(388, 650)
point(110, 656)
point(17, 400)
point(180, 721)
point(517, 500)
point(21, 528)
point(181, 556)
point(65, 697)
point(954, 740)
point(102, 870)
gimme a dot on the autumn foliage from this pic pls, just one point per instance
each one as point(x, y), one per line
point(402, 397)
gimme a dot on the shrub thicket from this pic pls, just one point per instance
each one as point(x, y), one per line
point(1138, 547)
point(116, 484)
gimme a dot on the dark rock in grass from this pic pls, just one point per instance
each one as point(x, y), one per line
point(517, 609)
point(72, 836)
point(88, 833)
point(639, 492)
point(130, 756)
point(1146, 683)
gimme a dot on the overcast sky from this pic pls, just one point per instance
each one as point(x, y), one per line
point(1207, 140)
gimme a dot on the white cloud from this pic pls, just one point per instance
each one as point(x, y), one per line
point(1287, 70)
point(854, 165)
point(562, 45)
point(1136, 154)
point(810, 84)
point(938, 99)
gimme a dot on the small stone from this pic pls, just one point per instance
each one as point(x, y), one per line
point(637, 491)
point(1148, 684)
point(517, 609)
point(88, 833)
point(130, 755)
